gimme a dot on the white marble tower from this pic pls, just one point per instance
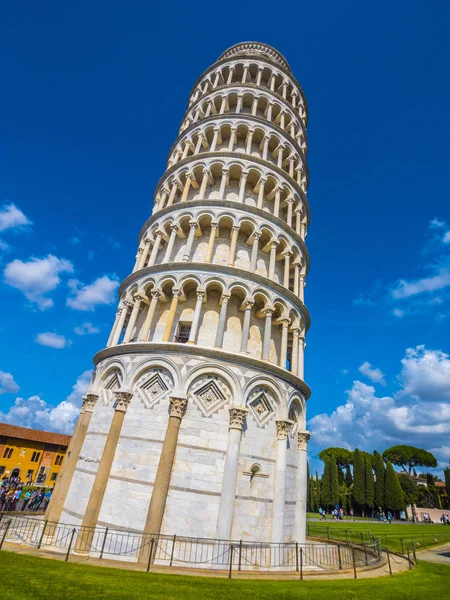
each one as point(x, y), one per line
point(195, 420)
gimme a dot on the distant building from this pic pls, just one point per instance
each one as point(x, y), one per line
point(36, 456)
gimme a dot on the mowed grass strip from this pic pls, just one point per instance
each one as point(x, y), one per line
point(391, 536)
point(30, 578)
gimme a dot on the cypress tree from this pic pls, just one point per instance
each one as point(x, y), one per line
point(379, 468)
point(308, 489)
point(318, 492)
point(359, 480)
point(326, 484)
point(345, 496)
point(341, 477)
point(334, 483)
point(348, 477)
point(370, 485)
point(393, 498)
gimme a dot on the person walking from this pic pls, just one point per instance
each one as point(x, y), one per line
point(389, 517)
point(26, 500)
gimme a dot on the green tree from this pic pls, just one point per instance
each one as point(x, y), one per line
point(348, 477)
point(379, 468)
point(326, 484)
point(409, 489)
point(359, 480)
point(370, 485)
point(342, 456)
point(409, 456)
point(430, 480)
point(318, 492)
point(345, 498)
point(393, 499)
point(334, 483)
point(447, 484)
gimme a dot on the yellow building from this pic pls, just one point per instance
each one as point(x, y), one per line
point(36, 456)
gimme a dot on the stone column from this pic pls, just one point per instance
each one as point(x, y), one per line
point(133, 317)
point(276, 204)
point(302, 487)
point(222, 321)
point(158, 500)
point(296, 277)
point(121, 322)
point(262, 183)
point(155, 248)
point(145, 329)
point(301, 357)
point(173, 192)
point(212, 238)
point(223, 183)
point(279, 482)
point(58, 499)
point(301, 287)
point(273, 255)
point(173, 234)
point(190, 240)
point(230, 473)
point(203, 185)
point(267, 334)
point(114, 327)
point(242, 185)
point(284, 342)
point(215, 139)
point(246, 326)
point(287, 258)
point(138, 259)
point(233, 242)
point(232, 138)
point(255, 250)
point(298, 217)
point(94, 505)
point(294, 357)
point(144, 254)
point(196, 319)
point(290, 203)
point(171, 317)
point(248, 148)
point(164, 195)
point(187, 187)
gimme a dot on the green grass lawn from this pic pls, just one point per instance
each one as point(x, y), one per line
point(28, 577)
point(423, 536)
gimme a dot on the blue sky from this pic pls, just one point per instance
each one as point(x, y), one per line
point(92, 97)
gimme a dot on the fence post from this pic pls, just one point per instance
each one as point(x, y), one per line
point(301, 564)
point(152, 543)
point(240, 555)
point(401, 542)
point(409, 561)
point(354, 564)
point(231, 561)
point(362, 537)
point(70, 545)
point(42, 535)
point(104, 542)
point(328, 532)
point(365, 554)
point(5, 532)
point(389, 560)
point(173, 549)
point(296, 556)
point(339, 557)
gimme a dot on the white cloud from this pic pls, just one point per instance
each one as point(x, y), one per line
point(86, 329)
point(398, 312)
point(37, 277)
point(7, 384)
point(4, 245)
point(406, 289)
point(88, 297)
point(426, 374)
point(374, 374)
point(419, 414)
point(52, 340)
point(35, 412)
point(74, 240)
point(446, 238)
point(436, 224)
point(12, 217)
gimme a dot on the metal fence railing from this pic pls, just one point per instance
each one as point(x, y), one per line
point(182, 551)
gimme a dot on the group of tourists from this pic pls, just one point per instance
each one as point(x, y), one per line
point(16, 495)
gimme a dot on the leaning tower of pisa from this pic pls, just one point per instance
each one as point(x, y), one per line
point(194, 423)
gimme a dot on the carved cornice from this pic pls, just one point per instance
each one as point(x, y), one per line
point(225, 270)
point(251, 118)
point(253, 210)
point(239, 157)
point(303, 439)
point(178, 406)
point(237, 417)
point(256, 49)
point(169, 348)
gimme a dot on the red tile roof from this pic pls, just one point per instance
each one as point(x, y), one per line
point(35, 435)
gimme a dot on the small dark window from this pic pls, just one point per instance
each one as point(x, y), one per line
point(58, 460)
point(8, 453)
point(35, 457)
point(2, 470)
point(53, 476)
point(184, 331)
